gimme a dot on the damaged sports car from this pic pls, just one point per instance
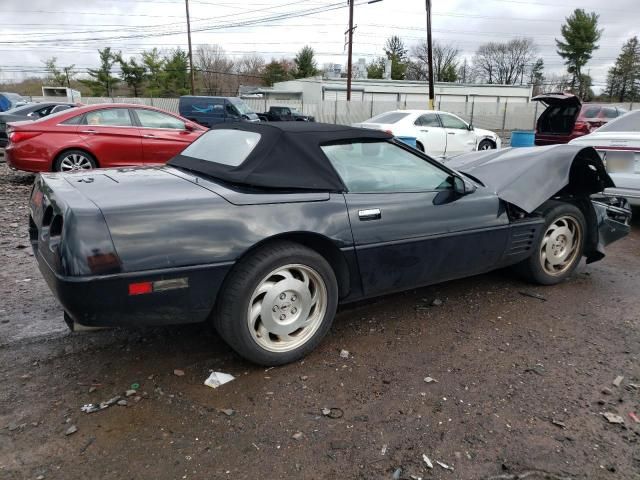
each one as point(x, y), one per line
point(263, 229)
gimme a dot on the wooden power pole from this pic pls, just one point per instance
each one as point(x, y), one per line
point(193, 73)
point(430, 56)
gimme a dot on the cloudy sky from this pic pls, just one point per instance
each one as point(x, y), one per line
point(73, 30)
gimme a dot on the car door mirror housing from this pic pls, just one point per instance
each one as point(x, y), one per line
point(189, 127)
point(470, 127)
point(462, 187)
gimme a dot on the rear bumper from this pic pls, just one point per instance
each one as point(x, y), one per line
point(18, 162)
point(104, 301)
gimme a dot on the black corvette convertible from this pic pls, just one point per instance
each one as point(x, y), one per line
point(264, 229)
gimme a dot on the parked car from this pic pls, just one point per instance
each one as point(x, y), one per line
point(9, 100)
point(31, 111)
point(265, 228)
point(285, 114)
point(439, 134)
point(566, 117)
point(106, 135)
point(209, 111)
point(618, 143)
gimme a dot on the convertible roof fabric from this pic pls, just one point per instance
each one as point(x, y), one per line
point(288, 156)
point(528, 177)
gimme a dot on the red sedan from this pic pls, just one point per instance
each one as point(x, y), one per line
point(112, 135)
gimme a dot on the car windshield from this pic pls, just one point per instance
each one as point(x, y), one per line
point(227, 147)
point(629, 122)
point(389, 117)
point(242, 107)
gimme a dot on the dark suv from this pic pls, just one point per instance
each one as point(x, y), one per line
point(566, 117)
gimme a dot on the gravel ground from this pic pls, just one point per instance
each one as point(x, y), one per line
point(522, 384)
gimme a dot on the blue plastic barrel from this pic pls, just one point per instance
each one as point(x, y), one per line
point(523, 138)
point(411, 141)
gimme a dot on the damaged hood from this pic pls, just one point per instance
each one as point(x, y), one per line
point(528, 177)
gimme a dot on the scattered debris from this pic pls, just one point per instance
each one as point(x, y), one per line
point(218, 378)
point(437, 302)
point(606, 391)
point(130, 393)
point(444, 465)
point(538, 369)
point(304, 378)
point(427, 460)
point(96, 407)
point(618, 380)
point(122, 403)
point(229, 412)
point(333, 412)
point(135, 386)
point(92, 389)
point(634, 417)
point(383, 452)
point(531, 294)
point(397, 474)
point(430, 380)
point(558, 423)
point(613, 417)
point(344, 353)
point(88, 444)
point(178, 373)
point(297, 436)
point(71, 430)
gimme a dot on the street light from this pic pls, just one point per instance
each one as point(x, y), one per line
point(350, 48)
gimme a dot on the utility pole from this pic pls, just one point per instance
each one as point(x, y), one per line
point(193, 73)
point(350, 51)
point(430, 55)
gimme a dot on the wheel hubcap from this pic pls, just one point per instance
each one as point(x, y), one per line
point(560, 245)
point(287, 308)
point(75, 161)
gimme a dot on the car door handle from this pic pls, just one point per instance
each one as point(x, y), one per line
point(451, 133)
point(424, 130)
point(148, 135)
point(370, 214)
point(89, 131)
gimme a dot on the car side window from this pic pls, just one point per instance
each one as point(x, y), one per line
point(383, 167)
point(113, 117)
point(231, 110)
point(428, 120)
point(153, 119)
point(449, 121)
point(608, 112)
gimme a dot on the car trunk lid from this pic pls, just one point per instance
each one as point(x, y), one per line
point(567, 99)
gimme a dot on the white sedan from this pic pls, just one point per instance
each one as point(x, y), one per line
point(440, 134)
point(618, 143)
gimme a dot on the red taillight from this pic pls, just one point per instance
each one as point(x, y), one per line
point(140, 288)
point(17, 137)
point(582, 128)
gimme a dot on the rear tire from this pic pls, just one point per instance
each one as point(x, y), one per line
point(560, 247)
point(420, 147)
point(277, 304)
point(74, 160)
point(486, 145)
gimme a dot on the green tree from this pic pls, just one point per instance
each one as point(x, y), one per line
point(396, 52)
point(175, 77)
point(275, 71)
point(580, 36)
point(376, 68)
point(537, 76)
point(133, 74)
point(306, 65)
point(57, 77)
point(154, 64)
point(102, 82)
point(624, 77)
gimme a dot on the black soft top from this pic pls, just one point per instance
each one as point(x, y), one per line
point(288, 156)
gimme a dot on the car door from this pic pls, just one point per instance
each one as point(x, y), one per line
point(431, 135)
point(112, 137)
point(163, 135)
point(410, 227)
point(459, 138)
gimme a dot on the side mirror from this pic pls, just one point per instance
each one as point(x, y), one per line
point(189, 127)
point(470, 127)
point(463, 188)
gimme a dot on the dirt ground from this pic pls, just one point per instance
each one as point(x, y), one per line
point(522, 384)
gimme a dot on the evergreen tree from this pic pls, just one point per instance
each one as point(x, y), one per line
point(154, 64)
point(305, 63)
point(580, 38)
point(275, 71)
point(57, 77)
point(376, 68)
point(624, 77)
point(103, 83)
point(537, 76)
point(133, 74)
point(397, 53)
point(175, 75)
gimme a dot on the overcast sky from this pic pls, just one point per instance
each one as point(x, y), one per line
point(73, 30)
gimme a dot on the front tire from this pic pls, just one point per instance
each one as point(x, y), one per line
point(486, 145)
point(560, 248)
point(277, 304)
point(420, 147)
point(74, 160)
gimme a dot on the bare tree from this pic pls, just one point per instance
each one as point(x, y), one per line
point(250, 68)
point(215, 69)
point(445, 62)
point(504, 63)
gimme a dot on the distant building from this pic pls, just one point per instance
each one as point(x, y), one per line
point(316, 89)
point(332, 70)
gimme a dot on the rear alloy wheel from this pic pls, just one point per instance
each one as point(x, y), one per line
point(560, 248)
point(277, 304)
point(486, 145)
point(74, 160)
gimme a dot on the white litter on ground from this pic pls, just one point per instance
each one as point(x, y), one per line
point(218, 378)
